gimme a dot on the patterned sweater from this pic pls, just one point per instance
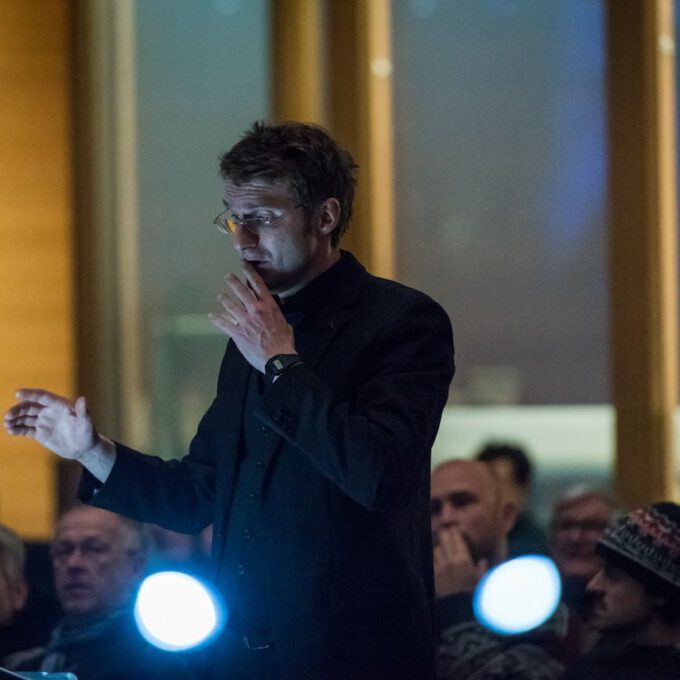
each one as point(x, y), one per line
point(468, 651)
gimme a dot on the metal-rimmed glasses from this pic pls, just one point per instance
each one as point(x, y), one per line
point(227, 222)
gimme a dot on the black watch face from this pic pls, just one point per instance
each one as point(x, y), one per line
point(279, 363)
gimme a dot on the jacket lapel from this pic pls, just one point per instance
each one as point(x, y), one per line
point(335, 312)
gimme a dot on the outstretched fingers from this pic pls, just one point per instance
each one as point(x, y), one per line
point(37, 395)
point(21, 418)
point(25, 416)
point(23, 424)
point(24, 408)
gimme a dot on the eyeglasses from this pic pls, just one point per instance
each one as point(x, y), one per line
point(227, 222)
point(92, 550)
point(586, 526)
point(89, 549)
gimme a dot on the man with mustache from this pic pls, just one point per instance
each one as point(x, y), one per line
point(637, 598)
point(470, 524)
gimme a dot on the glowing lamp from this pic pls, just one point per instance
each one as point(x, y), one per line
point(518, 595)
point(175, 611)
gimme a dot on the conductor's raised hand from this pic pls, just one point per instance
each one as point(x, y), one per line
point(253, 320)
point(59, 424)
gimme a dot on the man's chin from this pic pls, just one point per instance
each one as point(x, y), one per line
point(79, 607)
point(579, 568)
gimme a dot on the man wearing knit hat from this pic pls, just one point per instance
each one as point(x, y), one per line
point(638, 597)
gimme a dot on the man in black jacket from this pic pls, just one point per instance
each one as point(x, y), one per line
point(313, 460)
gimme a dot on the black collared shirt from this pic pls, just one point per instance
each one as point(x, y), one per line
point(247, 583)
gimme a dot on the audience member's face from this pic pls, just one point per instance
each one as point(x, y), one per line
point(12, 599)
point(621, 603)
point(574, 533)
point(465, 494)
point(96, 562)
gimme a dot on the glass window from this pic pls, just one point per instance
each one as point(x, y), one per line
point(500, 176)
point(500, 114)
point(202, 79)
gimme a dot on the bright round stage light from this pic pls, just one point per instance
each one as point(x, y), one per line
point(175, 611)
point(518, 595)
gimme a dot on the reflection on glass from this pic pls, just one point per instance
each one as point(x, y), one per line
point(500, 175)
point(202, 73)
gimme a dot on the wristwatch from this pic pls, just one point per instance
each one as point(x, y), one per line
point(279, 363)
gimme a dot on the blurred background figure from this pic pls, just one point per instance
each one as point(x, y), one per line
point(514, 471)
point(471, 519)
point(13, 590)
point(99, 559)
point(637, 593)
point(28, 604)
point(579, 517)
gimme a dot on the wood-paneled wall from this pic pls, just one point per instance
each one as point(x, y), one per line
point(643, 247)
point(36, 277)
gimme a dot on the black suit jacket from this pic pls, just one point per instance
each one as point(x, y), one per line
point(345, 496)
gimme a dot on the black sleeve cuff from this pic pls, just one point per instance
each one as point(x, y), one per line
point(88, 486)
point(454, 609)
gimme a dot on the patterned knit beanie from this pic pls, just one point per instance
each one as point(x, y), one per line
point(646, 544)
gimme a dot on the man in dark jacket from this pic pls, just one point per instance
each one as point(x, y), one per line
point(637, 595)
point(313, 460)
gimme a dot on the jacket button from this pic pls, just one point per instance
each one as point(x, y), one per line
point(259, 465)
point(247, 534)
point(241, 569)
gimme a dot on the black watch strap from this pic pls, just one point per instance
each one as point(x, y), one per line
point(280, 363)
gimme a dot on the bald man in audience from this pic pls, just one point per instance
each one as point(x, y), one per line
point(98, 559)
point(470, 525)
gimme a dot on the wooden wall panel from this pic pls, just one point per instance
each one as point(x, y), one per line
point(360, 116)
point(332, 63)
point(297, 61)
point(643, 247)
point(36, 289)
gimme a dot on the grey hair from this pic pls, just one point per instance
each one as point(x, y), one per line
point(12, 555)
point(582, 492)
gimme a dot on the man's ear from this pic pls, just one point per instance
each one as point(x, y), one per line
point(509, 514)
point(19, 593)
point(329, 216)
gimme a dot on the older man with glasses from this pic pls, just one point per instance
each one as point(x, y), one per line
point(313, 461)
point(98, 559)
